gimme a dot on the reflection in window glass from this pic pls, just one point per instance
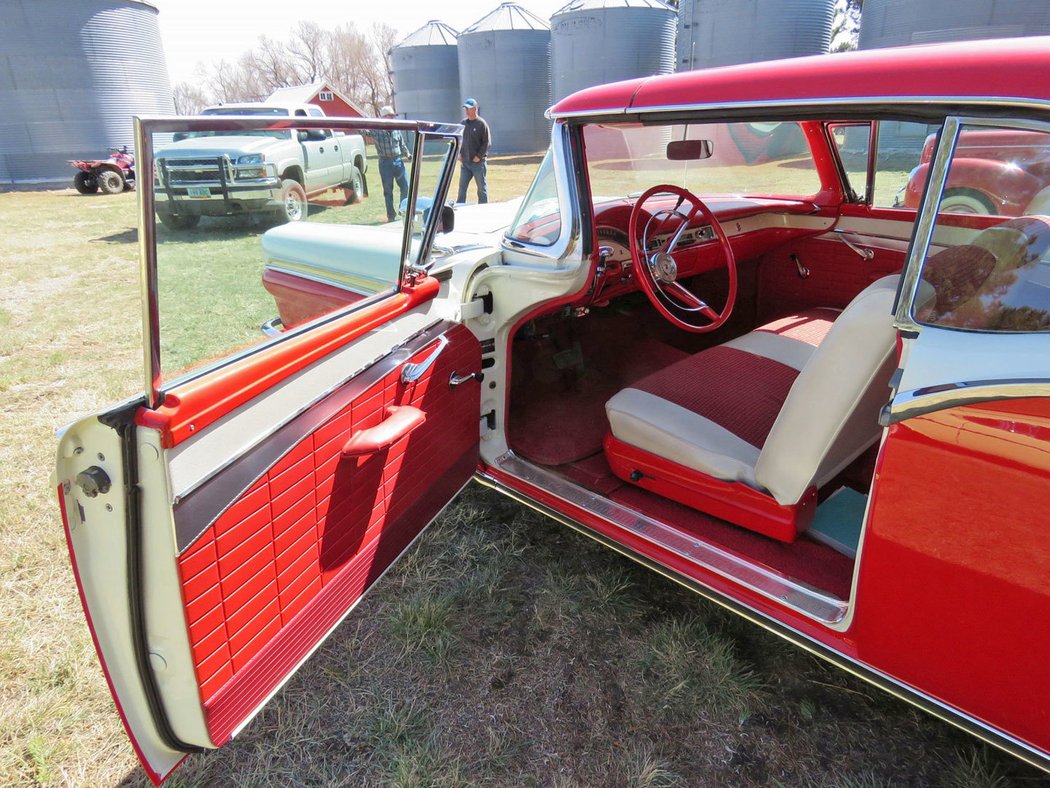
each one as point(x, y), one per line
point(242, 244)
point(993, 278)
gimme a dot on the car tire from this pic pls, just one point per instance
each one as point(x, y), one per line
point(178, 221)
point(355, 187)
point(294, 206)
point(110, 182)
point(968, 201)
point(85, 183)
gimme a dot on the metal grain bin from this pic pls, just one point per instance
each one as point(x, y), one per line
point(504, 63)
point(425, 70)
point(887, 23)
point(599, 41)
point(72, 75)
point(725, 32)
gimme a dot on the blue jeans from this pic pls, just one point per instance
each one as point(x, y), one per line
point(391, 170)
point(477, 171)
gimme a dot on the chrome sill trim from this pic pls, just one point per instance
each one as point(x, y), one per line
point(918, 402)
point(830, 102)
point(854, 667)
point(769, 583)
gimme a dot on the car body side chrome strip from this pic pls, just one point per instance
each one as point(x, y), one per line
point(795, 594)
point(917, 402)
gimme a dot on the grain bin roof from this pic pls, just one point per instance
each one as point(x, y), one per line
point(509, 16)
point(433, 33)
point(597, 5)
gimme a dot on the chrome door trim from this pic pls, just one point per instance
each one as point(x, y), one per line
point(773, 585)
point(917, 402)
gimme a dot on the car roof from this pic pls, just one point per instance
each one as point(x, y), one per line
point(993, 70)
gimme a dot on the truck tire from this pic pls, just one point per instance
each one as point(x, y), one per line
point(85, 183)
point(110, 182)
point(355, 187)
point(178, 221)
point(293, 202)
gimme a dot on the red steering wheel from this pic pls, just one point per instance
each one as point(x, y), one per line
point(656, 266)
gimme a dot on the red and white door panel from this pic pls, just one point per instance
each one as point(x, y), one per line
point(223, 524)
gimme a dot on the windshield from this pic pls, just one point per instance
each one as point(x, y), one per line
point(746, 159)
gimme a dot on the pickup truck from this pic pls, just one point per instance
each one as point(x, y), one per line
point(219, 173)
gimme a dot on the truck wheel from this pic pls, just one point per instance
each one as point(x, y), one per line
point(179, 221)
point(293, 201)
point(85, 183)
point(110, 182)
point(355, 187)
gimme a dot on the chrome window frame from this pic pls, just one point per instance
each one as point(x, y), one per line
point(155, 386)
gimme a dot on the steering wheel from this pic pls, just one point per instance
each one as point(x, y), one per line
point(656, 266)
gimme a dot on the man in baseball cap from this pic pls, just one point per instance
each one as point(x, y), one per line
point(474, 153)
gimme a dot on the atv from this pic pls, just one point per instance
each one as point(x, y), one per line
point(112, 175)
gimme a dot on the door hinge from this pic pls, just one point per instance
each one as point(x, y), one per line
point(490, 419)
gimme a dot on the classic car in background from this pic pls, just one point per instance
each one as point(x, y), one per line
point(756, 374)
point(995, 171)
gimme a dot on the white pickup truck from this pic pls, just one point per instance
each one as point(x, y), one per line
point(217, 173)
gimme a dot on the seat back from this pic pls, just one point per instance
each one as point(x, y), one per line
point(831, 412)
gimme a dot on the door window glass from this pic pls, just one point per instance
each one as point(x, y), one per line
point(263, 230)
point(852, 141)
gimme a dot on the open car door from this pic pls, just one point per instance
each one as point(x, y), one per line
point(224, 523)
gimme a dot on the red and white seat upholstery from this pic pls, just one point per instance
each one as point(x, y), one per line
point(748, 430)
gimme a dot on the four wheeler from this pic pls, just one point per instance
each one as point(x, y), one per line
point(112, 175)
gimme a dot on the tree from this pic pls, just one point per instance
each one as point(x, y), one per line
point(355, 63)
point(846, 27)
point(189, 99)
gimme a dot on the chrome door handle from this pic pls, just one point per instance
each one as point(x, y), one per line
point(455, 379)
point(410, 373)
point(866, 254)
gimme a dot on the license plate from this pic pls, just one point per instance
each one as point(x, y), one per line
point(198, 191)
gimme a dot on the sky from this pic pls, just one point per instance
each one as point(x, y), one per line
point(207, 31)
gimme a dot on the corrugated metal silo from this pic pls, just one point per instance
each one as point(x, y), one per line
point(504, 63)
point(72, 74)
point(887, 23)
point(426, 74)
point(599, 41)
point(725, 32)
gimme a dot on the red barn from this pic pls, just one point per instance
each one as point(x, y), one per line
point(322, 94)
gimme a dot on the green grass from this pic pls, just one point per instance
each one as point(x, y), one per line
point(567, 665)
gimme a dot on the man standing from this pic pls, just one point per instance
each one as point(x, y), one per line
point(393, 153)
point(473, 154)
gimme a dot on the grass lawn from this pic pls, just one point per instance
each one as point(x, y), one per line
point(503, 650)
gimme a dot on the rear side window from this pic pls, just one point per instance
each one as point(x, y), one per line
point(992, 277)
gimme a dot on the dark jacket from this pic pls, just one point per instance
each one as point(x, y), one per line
point(476, 139)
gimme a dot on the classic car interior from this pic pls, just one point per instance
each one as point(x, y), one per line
point(724, 370)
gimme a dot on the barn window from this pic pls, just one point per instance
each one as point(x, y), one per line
point(325, 95)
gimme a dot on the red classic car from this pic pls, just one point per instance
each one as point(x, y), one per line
point(995, 171)
point(706, 337)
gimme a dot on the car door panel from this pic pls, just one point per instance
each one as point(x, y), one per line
point(273, 569)
point(832, 271)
